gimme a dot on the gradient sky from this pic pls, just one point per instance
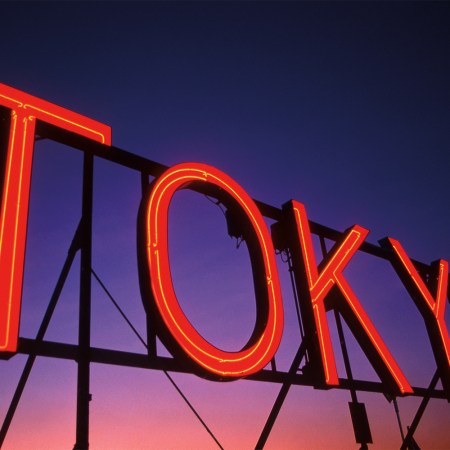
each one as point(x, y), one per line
point(344, 107)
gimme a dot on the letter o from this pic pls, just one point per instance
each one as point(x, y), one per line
point(159, 297)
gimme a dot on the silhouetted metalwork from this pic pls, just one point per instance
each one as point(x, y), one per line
point(84, 354)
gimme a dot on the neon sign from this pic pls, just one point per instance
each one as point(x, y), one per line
point(25, 111)
point(316, 296)
point(431, 306)
point(176, 329)
point(321, 287)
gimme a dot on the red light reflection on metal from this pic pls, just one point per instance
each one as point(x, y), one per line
point(25, 110)
point(261, 348)
point(320, 285)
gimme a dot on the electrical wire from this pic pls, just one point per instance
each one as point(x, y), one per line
point(218, 203)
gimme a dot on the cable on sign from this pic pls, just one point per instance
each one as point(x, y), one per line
point(231, 232)
point(172, 381)
point(218, 203)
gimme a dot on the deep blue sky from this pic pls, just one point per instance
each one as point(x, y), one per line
point(342, 106)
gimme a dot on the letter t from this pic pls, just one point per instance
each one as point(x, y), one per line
point(25, 110)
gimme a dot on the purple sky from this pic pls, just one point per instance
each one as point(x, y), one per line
point(342, 106)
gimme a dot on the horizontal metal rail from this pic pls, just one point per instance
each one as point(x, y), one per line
point(120, 358)
point(154, 169)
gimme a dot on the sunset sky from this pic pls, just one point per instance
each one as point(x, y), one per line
point(344, 107)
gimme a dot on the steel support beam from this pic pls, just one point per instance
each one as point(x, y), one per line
point(84, 325)
point(40, 334)
point(141, 360)
point(423, 404)
point(84, 355)
point(281, 396)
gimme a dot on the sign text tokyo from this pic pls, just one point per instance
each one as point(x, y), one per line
point(321, 287)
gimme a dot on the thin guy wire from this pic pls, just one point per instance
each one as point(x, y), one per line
point(165, 372)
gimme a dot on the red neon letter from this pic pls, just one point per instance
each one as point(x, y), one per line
point(317, 296)
point(25, 110)
point(432, 307)
point(174, 328)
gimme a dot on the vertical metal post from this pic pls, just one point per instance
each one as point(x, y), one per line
point(348, 368)
point(84, 325)
point(151, 328)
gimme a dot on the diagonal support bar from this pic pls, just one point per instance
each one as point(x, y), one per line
point(424, 403)
point(281, 397)
point(74, 247)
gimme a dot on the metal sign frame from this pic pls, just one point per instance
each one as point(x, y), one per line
point(84, 354)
